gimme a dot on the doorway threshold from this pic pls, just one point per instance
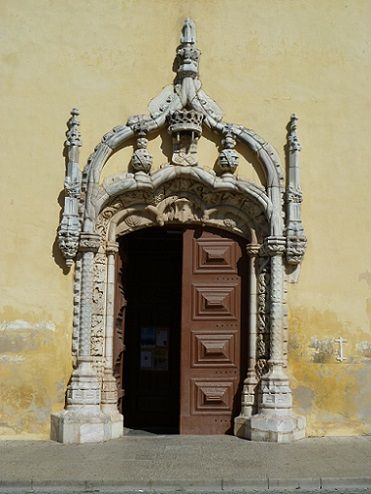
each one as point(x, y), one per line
point(151, 431)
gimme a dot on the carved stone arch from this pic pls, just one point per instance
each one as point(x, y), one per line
point(182, 192)
point(265, 153)
point(182, 198)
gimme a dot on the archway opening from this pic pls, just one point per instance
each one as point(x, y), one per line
point(185, 329)
point(151, 278)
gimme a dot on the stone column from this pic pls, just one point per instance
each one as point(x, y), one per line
point(248, 398)
point(82, 420)
point(275, 420)
point(275, 391)
point(109, 385)
point(84, 389)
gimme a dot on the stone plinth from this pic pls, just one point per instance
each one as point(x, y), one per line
point(83, 421)
point(116, 421)
point(85, 425)
point(270, 427)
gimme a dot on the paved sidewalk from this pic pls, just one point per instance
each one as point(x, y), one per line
point(212, 463)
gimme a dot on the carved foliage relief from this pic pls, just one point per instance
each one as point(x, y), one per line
point(184, 201)
point(263, 319)
point(98, 312)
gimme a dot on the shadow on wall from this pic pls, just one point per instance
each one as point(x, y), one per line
point(56, 253)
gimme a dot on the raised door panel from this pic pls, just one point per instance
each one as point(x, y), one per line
point(211, 332)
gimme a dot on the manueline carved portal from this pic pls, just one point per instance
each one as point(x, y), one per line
point(185, 192)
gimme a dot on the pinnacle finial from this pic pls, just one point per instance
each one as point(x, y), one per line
point(187, 53)
point(73, 133)
point(188, 32)
point(294, 144)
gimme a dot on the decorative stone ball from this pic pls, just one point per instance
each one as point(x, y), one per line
point(228, 161)
point(141, 160)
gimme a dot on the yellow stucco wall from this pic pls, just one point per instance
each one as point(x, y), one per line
point(261, 61)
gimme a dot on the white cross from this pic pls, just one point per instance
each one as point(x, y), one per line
point(341, 356)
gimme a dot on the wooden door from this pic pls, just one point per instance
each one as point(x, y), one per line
point(213, 332)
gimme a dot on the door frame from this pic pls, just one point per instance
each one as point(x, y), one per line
point(189, 199)
point(122, 289)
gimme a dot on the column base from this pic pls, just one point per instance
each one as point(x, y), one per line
point(85, 424)
point(270, 427)
point(116, 421)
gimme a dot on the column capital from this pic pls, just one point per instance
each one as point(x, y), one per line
point(274, 246)
point(112, 247)
point(89, 242)
point(253, 249)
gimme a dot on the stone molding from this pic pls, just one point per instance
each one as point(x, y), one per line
point(89, 242)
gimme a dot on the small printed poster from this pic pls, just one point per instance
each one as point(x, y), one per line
point(146, 359)
point(162, 337)
point(148, 336)
point(154, 343)
point(161, 359)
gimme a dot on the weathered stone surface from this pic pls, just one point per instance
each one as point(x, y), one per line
point(271, 427)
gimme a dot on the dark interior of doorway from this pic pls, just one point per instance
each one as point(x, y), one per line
point(152, 267)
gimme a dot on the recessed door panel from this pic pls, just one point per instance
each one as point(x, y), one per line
point(211, 370)
point(211, 348)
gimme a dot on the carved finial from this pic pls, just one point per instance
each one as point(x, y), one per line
point(188, 55)
point(294, 144)
point(188, 32)
point(296, 240)
point(141, 160)
point(70, 226)
point(228, 158)
point(73, 133)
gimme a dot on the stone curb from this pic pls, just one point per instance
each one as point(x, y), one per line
point(333, 482)
point(220, 485)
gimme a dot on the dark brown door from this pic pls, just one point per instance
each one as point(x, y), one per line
point(213, 332)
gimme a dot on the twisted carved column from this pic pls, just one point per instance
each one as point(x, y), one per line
point(249, 384)
point(109, 385)
point(89, 245)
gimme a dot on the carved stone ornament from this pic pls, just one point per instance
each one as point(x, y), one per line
point(296, 240)
point(89, 242)
point(295, 248)
point(187, 54)
point(228, 158)
point(68, 241)
point(141, 160)
point(69, 229)
point(182, 192)
point(186, 129)
point(274, 246)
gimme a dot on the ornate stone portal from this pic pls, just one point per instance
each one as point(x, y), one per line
point(182, 192)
